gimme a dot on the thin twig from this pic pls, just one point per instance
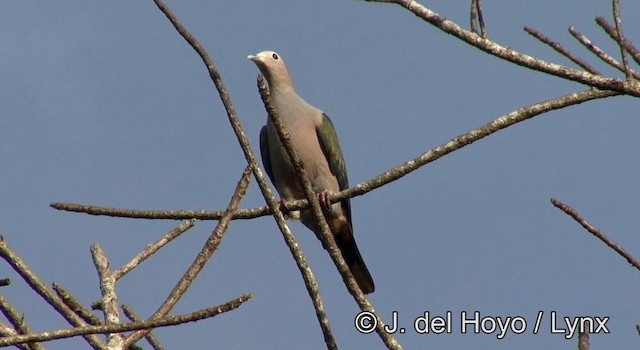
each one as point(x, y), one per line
point(109, 301)
point(126, 327)
point(561, 49)
point(151, 337)
point(75, 305)
point(39, 287)
point(594, 231)
point(599, 52)
point(154, 247)
point(200, 260)
point(620, 33)
point(611, 30)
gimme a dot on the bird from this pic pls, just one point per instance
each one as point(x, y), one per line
point(315, 140)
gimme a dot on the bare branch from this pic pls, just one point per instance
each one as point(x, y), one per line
point(309, 280)
point(39, 287)
point(635, 53)
point(288, 237)
point(599, 52)
point(152, 248)
point(560, 49)
point(201, 259)
point(459, 142)
point(76, 306)
point(511, 55)
point(620, 34)
point(151, 214)
point(133, 326)
point(18, 322)
point(151, 338)
point(594, 231)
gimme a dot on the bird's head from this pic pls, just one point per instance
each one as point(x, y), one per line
point(272, 67)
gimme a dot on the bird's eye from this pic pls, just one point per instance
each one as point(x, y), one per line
point(275, 56)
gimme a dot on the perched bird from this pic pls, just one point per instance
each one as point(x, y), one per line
point(315, 140)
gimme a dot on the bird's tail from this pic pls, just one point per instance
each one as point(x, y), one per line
point(347, 244)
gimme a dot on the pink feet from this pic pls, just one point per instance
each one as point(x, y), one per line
point(283, 209)
point(323, 199)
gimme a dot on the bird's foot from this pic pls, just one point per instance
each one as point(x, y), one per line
point(283, 209)
point(323, 199)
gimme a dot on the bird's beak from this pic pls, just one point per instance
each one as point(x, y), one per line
point(253, 58)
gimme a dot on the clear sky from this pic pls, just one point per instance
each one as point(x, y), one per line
point(104, 104)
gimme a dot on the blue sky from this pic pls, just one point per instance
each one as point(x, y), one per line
point(105, 104)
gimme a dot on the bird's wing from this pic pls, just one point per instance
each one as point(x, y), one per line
point(330, 146)
point(264, 153)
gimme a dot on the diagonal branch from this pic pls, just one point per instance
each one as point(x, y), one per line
point(75, 305)
point(201, 259)
point(151, 338)
point(154, 247)
point(328, 241)
point(18, 322)
point(513, 56)
point(310, 283)
point(292, 244)
point(562, 50)
point(39, 287)
point(599, 52)
point(628, 45)
point(620, 33)
point(594, 231)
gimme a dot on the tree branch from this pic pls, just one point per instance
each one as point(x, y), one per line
point(151, 338)
point(599, 52)
point(392, 174)
point(635, 53)
point(513, 56)
point(201, 259)
point(560, 49)
point(594, 231)
point(132, 326)
point(18, 322)
point(154, 247)
point(620, 34)
point(74, 305)
point(39, 287)
point(272, 203)
point(309, 280)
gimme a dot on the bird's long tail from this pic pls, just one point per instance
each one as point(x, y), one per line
point(347, 244)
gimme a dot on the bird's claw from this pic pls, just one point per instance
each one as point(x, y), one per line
point(283, 209)
point(323, 199)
